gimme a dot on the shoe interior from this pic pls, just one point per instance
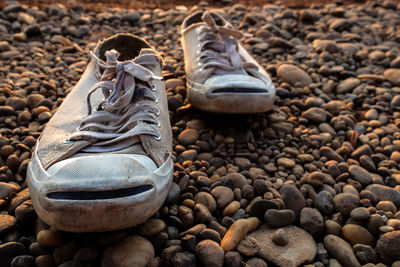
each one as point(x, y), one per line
point(93, 195)
point(239, 90)
point(127, 45)
point(196, 18)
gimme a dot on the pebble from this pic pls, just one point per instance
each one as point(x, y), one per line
point(316, 115)
point(279, 218)
point(293, 199)
point(152, 227)
point(10, 250)
point(130, 251)
point(248, 246)
point(231, 208)
point(188, 137)
point(207, 200)
point(341, 251)
point(360, 214)
point(233, 258)
point(23, 261)
point(347, 85)
point(293, 253)
point(345, 203)
point(383, 192)
point(311, 220)
point(388, 247)
point(224, 196)
point(235, 233)
point(323, 202)
point(364, 253)
point(287, 163)
point(49, 238)
point(360, 174)
point(256, 262)
point(210, 253)
point(356, 234)
point(393, 76)
point(294, 75)
point(6, 223)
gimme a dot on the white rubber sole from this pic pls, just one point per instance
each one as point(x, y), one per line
point(103, 193)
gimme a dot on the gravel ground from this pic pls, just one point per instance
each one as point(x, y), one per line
point(315, 181)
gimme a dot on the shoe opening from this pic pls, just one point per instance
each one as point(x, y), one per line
point(129, 46)
point(239, 90)
point(196, 18)
point(94, 195)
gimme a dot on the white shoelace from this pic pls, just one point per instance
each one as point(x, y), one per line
point(129, 107)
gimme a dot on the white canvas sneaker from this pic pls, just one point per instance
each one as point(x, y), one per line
point(104, 161)
point(221, 76)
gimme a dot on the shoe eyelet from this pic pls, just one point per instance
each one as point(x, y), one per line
point(157, 111)
point(153, 87)
point(156, 100)
point(158, 137)
point(67, 141)
point(158, 124)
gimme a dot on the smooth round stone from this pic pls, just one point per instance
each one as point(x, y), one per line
point(49, 238)
point(332, 227)
point(279, 218)
point(256, 262)
point(386, 206)
point(248, 246)
point(210, 234)
point(314, 114)
point(207, 200)
point(360, 214)
point(311, 220)
point(188, 137)
point(6, 222)
point(293, 199)
point(383, 192)
point(235, 233)
point(341, 251)
point(10, 250)
point(233, 258)
point(347, 85)
point(323, 202)
point(388, 247)
point(294, 75)
point(224, 195)
point(360, 174)
point(258, 208)
point(231, 208)
point(364, 253)
point(23, 261)
point(45, 261)
point(293, 254)
point(129, 251)
point(356, 234)
point(345, 203)
point(210, 253)
point(184, 259)
point(152, 227)
point(286, 162)
point(202, 213)
point(237, 179)
point(393, 76)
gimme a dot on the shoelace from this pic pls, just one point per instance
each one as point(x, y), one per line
point(220, 48)
point(129, 108)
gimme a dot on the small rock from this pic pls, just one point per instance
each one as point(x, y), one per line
point(345, 203)
point(248, 246)
point(49, 238)
point(311, 220)
point(184, 259)
point(256, 262)
point(236, 232)
point(364, 253)
point(383, 192)
point(152, 227)
point(23, 261)
point(341, 251)
point(10, 250)
point(188, 137)
point(292, 197)
point(360, 174)
point(6, 223)
point(287, 163)
point(360, 214)
point(233, 259)
point(293, 254)
point(130, 251)
point(315, 114)
point(294, 75)
point(210, 253)
point(388, 247)
point(224, 195)
point(347, 85)
point(279, 218)
point(393, 76)
point(132, 17)
point(356, 234)
point(259, 207)
point(323, 202)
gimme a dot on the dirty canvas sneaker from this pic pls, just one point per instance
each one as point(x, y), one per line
point(221, 76)
point(104, 160)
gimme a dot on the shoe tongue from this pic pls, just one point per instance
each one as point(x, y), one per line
point(147, 51)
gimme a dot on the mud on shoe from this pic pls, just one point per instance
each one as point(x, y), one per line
point(221, 75)
point(104, 161)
